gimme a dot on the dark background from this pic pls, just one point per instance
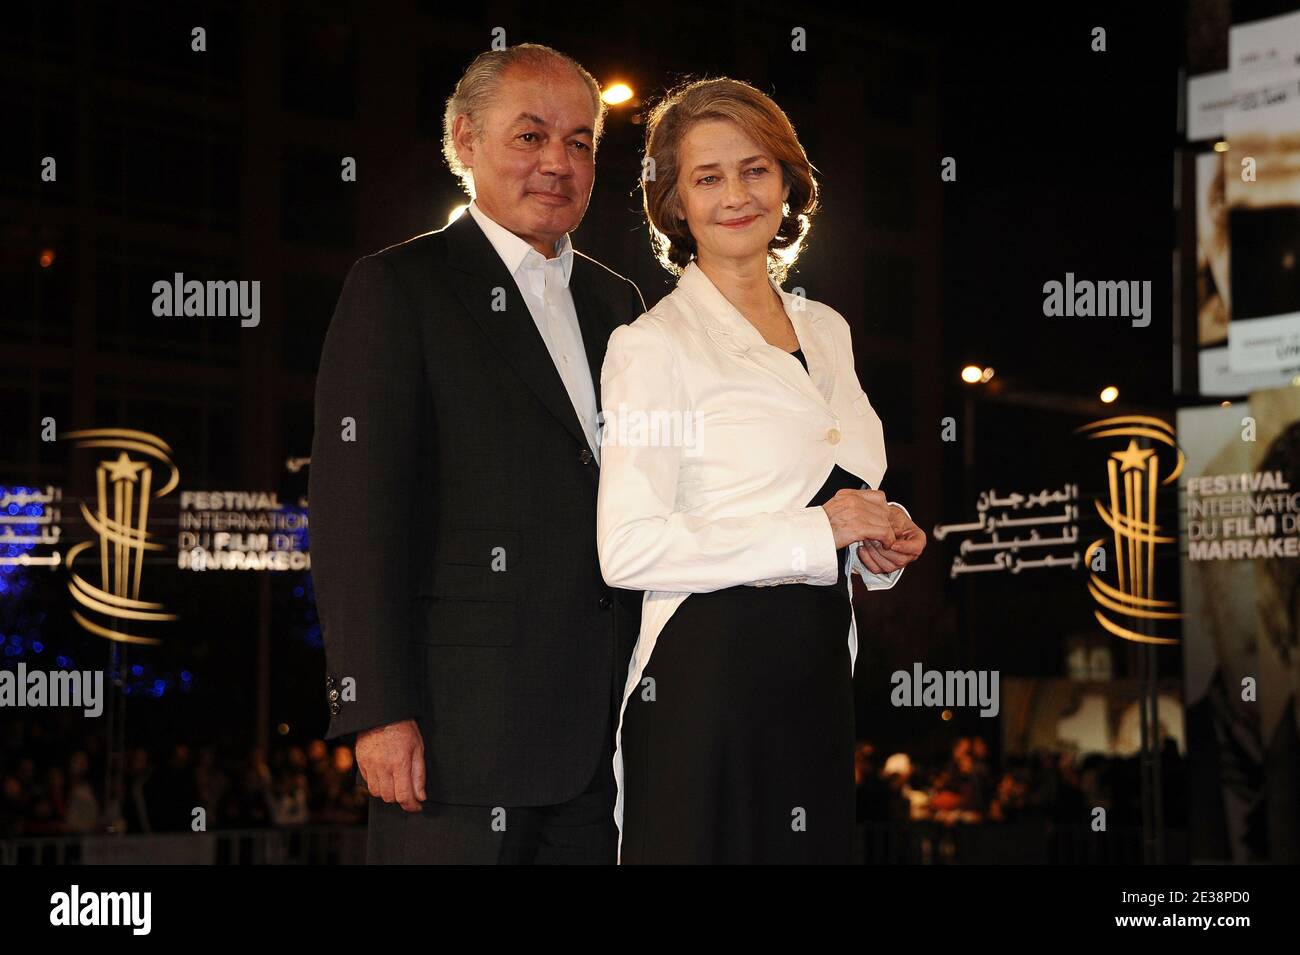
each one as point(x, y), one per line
point(226, 164)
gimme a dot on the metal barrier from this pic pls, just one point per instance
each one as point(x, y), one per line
point(308, 845)
point(878, 843)
point(1027, 843)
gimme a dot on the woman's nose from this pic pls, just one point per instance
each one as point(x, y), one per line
point(735, 193)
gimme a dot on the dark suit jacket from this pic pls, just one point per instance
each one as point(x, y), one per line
point(466, 455)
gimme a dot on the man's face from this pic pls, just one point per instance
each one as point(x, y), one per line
point(534, 164)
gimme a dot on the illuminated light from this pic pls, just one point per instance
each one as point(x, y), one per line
point(1225, 404)
point(988, 373)
point(972, 374)
point(946, 715)
point(283, 729)
point(616, 93)
point(457, 212)
point(1109, 394)
point(1221, 146)
point(47, 258)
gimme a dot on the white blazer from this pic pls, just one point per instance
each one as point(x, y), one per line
point(713, 442)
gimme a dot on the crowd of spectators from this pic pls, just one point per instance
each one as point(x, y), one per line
point(53, 789)
point(1042, 786)
point(60, 790)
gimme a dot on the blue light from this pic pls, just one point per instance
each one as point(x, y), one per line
point(62, 661)
point(186, 676)
point(159, 687)
point(38, 646)
point(137, 670)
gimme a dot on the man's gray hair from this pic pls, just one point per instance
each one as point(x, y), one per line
point(477, 88)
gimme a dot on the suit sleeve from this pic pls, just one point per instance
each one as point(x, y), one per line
point(643, 542)
point(359, 495)
point(871, 579)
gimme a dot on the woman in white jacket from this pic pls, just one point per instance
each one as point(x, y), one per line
point(739, 465)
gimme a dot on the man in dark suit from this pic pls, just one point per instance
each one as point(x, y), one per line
point(470, 640)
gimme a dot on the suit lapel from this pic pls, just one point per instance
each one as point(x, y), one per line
point(815, 383)
point(733, 332)
point(512, 331)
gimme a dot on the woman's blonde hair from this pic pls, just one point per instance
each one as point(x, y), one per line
point(756, 114)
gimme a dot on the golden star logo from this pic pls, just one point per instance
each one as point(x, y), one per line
point(109, 601)
point(1130, 608)
point(123, 469)
point(1133, 456)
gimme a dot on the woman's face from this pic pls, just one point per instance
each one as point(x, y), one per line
point(730, 191)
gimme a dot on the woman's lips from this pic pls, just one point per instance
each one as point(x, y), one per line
point(737, 223)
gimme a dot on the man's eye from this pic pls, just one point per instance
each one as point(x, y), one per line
point(581, 145)
point(525, 135)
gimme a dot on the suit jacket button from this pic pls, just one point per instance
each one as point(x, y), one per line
point(586, 457)
point(605, 603)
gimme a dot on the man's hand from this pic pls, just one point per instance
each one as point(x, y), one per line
point(391, 760)
point(909, 541)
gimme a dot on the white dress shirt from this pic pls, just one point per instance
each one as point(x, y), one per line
point(544, 284)
point(728, 506)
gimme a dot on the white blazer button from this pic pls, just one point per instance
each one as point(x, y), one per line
point(833, 435)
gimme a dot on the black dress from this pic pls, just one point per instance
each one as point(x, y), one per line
point(746, 753)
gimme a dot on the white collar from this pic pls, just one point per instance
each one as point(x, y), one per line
point(514, 250)
point(733, 332)
point(716, 309)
